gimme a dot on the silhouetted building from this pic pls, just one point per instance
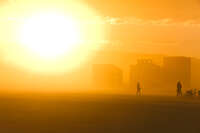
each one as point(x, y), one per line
point(174, 69)
point(177, 69)
point(195, 73)
point(145, 72)
point(123, 60)
point(107, 76)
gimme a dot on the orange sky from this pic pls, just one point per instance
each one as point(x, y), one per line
point(164, 27)
point(156, 26)
point(169, 27)
point(154, 9)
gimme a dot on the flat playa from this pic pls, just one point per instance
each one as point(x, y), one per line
point(92, 113)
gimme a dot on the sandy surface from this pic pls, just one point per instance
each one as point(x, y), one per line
point(75, 113)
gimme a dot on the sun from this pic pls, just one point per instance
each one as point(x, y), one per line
point(50, 35)
point(54, 38)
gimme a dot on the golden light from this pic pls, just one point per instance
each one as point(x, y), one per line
point(50, 35)
point(53, 38)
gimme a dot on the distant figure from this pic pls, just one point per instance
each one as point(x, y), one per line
point(138, 93)
point(179, 89)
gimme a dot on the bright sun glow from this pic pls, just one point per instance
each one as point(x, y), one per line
point(50, 35)
point(50, 38)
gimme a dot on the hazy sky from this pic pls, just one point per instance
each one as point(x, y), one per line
point(156, 26)
point(170, 27)
point(154, 9)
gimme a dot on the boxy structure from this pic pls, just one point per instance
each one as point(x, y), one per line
point(195, 73)
point(107, 76)
point(145, 72)
point(174, 69)
point(177, 69)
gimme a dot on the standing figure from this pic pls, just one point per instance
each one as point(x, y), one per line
point(179, 89)
point(138, 93)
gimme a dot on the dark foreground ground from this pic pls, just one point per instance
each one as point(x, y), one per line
point(75, 113)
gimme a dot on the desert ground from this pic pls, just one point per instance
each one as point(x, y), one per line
point(98, 113)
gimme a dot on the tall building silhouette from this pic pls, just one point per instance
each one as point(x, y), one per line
point(177, 69)
point(145, 72)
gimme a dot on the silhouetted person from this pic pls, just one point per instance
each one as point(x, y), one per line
point(179, 89)
point(138, 93)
